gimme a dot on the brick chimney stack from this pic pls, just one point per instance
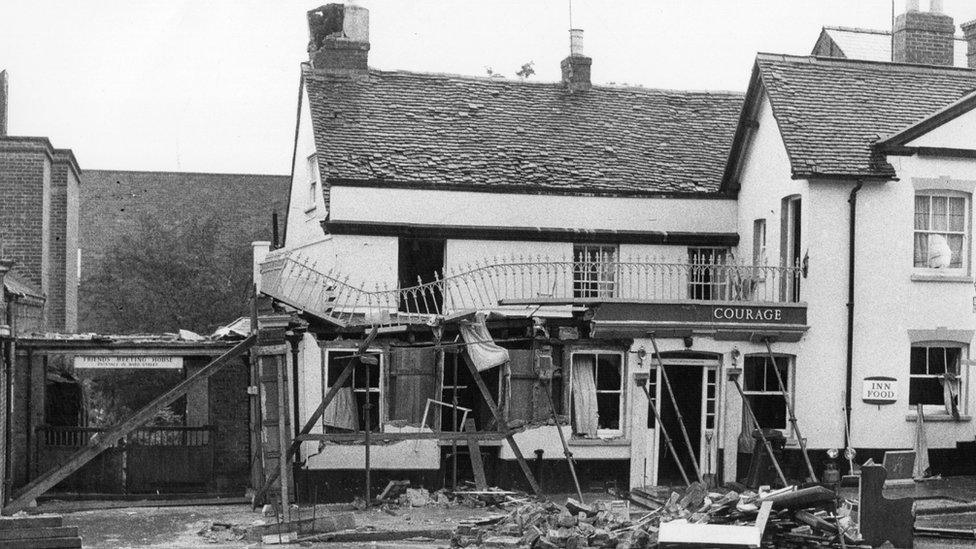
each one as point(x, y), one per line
point(969, 30)
point(339, 37)
point(925, 38)
point(3, 103)
point(576, 67)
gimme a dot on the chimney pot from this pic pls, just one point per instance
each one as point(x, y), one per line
point(935, 6)
point(576, 41)
point(910, 5)
point(339, 37)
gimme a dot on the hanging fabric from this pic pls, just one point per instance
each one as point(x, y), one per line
point(921, 469)
point(342, 412)
point(585, 416)
point(950, 394)
point(484, 353)
point(413, 379)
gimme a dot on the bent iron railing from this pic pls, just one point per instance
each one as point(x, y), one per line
point(518, 282)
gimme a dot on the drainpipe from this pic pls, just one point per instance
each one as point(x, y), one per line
point(850, 309)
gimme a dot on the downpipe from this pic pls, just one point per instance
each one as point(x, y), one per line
point(848, 382)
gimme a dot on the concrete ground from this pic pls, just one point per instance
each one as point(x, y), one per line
point(179, 527)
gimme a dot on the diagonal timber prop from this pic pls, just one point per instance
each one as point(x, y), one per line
point(102, 442)
point(317, 414)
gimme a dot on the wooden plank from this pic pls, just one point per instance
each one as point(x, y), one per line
point(477, 465)
point(401, 436)
point(100, 443)
point(30, 522)
point(45, 543)
point(283, 466)
point(34, 533)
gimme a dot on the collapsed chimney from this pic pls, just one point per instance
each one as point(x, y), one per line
point(969, 30)
point(925, 38)
point(338, 37)
point(576, 67)
point(3, 103)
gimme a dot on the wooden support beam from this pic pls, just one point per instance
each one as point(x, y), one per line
point(486, 394)
point(401, 436)
point(99, 443)
point(474, 451)
point(317, 414)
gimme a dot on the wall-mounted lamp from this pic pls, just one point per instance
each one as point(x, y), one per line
point(641, 355)
point(805, 265)
point(735, 356)
point(689, 341)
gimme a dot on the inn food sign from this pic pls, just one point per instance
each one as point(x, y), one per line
point(879, 390)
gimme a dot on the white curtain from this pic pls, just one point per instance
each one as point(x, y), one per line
point(484, 353)
point(585, 418)
point(342, 411)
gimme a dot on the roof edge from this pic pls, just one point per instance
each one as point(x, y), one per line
point(962, 106)
point(170, 172)
point(813, 59)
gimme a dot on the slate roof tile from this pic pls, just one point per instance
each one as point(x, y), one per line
point(831, 112)
point(447, 130)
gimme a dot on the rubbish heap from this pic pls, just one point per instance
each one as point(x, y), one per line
point(731, 515)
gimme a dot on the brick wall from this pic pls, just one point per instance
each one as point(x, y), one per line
point(24, 210)
point(924, 38)
point(229, 413)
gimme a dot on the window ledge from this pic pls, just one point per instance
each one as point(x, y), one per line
point(599, 442)
point(964, 279)
point(939, 418)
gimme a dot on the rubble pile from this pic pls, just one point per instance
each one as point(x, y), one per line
point(789, 517)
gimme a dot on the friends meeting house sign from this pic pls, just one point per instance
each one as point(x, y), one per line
point(733, 320)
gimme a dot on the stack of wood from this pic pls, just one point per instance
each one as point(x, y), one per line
point(731, 516)
point(35, 532)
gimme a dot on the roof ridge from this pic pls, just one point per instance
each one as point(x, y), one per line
point(863, 30)
point(508, 81)
point(906, 67)
point(168, 172)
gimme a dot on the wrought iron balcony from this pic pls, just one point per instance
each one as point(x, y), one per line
point(500, 284)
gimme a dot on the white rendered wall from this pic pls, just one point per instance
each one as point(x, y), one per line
point(303, 223)
point(528, 210)
point(959, 133)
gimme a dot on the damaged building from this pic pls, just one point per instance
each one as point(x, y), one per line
point(638, 277)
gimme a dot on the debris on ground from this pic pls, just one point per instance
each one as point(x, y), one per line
point(788, 517)
point(222, 532)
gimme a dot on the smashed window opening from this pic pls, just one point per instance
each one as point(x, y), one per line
point(345, 413)
point(597, 394)
point(418, 260)
point(708, 280)
point(935, 377)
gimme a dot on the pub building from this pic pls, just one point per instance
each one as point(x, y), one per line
point(646, 260)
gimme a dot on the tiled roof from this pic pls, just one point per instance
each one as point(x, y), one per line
point(831, 112)
point(14, 285)
point(443, 130)
point(875, 45)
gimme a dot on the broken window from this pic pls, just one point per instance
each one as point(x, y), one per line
point(934, 378)
point(594, 270)
point(597, 394)
point(346, 411)
point(708, 277)
point(762, 390)
point(420, 261)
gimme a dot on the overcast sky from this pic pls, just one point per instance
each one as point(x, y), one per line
point(212, 86)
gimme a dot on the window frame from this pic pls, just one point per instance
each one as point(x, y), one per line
point(962, 372)
point(966, 260)
point(314, 181)
point(718, 290)
point(759, 246)
point(382, 388)
point(582, 283)
point(790, 387)
point(621, 431)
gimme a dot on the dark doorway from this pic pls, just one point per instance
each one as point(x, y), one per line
point(687, 384)
point(419, 259)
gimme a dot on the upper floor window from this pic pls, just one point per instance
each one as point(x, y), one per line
point(708, 278)
point(312, 170)
point(759, 242)
point(935, 378)
point(594, 270)
point(941, 230)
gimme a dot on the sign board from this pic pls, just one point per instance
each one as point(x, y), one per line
point(129, 362)
point(879, 390)
point(704, 313)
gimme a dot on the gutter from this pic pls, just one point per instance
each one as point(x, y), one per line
point(850, 311)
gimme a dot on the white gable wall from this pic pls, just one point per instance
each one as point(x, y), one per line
point(958, 133)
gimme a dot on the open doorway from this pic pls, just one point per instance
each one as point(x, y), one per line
point(686, 381)
point(418, 260)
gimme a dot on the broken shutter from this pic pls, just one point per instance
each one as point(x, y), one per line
point(524, 379)
point(413, 380)
point(585, 417)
